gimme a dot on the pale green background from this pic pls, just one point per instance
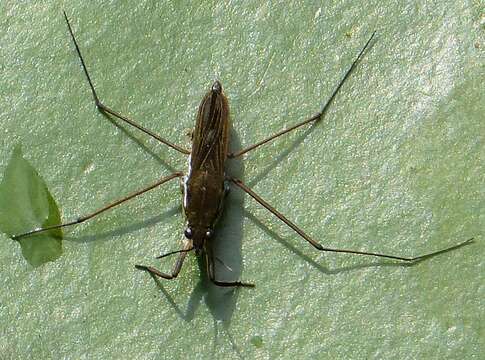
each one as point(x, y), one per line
point(396, 166)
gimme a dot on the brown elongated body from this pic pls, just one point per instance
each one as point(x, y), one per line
point(204, 185)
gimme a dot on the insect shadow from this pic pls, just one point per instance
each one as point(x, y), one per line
point(206, 184)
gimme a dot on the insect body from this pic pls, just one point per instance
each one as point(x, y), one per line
point(206, 182)
point(204, 185)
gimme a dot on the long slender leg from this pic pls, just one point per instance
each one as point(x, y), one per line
point(103, 209)
point(318, 246)
point(209, 263)
point(177, 267)
point(315, 117)
point(108, 110)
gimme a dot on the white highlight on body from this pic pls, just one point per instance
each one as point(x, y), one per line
point(186, 179)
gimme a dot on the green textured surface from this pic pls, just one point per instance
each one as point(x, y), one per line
point(396, 166)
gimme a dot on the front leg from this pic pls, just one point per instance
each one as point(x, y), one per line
point(209, 263)
point(177, 267)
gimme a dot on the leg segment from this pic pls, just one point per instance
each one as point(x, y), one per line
point(315, 117)
point(103, 209)
point(177, 267)
point(318, 246)
point(108, 110)
point(209, 263)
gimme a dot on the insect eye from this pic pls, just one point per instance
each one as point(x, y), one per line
point(208, 234)
point(188, 233)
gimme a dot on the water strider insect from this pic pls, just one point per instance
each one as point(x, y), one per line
point(205, 184)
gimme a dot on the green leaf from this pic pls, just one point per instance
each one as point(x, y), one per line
point(26, 204)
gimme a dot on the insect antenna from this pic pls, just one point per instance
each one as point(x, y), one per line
point(175, 252)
